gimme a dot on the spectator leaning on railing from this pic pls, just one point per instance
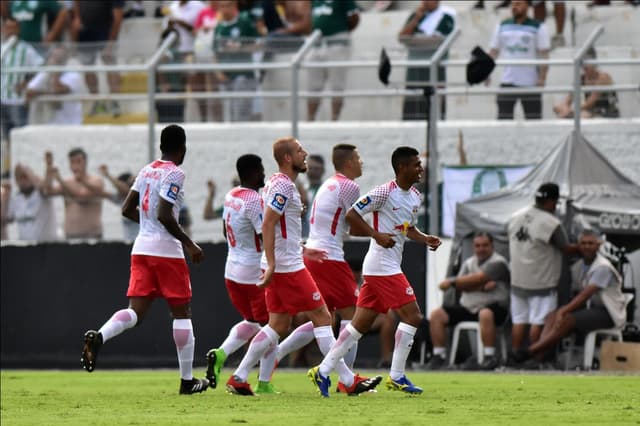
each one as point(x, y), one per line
point(30, 15)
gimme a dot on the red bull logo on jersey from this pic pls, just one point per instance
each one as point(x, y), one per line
point(279, 201)
point(409, 291)
point(363, 202)
point(173, 191)
point(403, 228)
point(316, 296)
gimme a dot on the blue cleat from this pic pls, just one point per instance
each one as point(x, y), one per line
point(322, 383)
point(403, 384)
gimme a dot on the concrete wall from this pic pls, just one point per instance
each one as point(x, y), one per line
point(213, 149)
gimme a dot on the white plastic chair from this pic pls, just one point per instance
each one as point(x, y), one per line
point(475, 326)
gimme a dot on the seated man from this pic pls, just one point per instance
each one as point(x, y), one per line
point(600, 302)
point(484, 282)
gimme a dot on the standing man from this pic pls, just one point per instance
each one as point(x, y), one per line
point(537, 241)
point(158, 267)
point(289, 286)
point(315, 171)
point(242, 228)
point(484, 282)
point(336, 19)
point(521, 37)
point(394, 206)
point(333, 276)
point(82, 196)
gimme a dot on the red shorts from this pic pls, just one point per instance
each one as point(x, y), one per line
point(249, 300)
point(154, 276)
point(293, 292)
point(335, 281)
point(385, 292)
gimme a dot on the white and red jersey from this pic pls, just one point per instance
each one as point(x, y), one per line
point(160, 179)
point(242, 215)
point(394, 212)
point(327, 224)
point(281, 195)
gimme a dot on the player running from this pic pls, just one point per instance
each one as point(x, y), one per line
point(158, 267)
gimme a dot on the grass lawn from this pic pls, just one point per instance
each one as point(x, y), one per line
point(120, 397)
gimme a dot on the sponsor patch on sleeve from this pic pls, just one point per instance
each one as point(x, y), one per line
point(363, 202)
point(279, 201)
point(173, 191)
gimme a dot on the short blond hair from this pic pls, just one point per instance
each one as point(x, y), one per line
point(282, 147)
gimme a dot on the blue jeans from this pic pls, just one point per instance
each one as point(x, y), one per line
point(13, 116)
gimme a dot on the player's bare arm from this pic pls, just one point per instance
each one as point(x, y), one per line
point(432, 241)
point(269, 242)
point(358, 227)
point(314, 254)
point(130, 206)
point(165, 217)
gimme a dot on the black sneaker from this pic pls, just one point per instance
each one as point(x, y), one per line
point(188, 387)
point(362, 384)
point(436, 362)
point(489, 363)
point(92, 344)
point(471, 364)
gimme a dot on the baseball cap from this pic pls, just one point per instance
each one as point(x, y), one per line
point(548, 191)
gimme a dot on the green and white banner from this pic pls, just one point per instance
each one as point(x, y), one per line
point(461, 183)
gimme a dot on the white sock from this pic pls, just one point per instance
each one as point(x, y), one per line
point(326, 340)
point(347, 338)
point(119, 322)
point(349, 357)
point(489, 350)
point(185, 344)
point(268, 364)
point(239, 334)
point(404, 341)
point(440, 351)
point(299, 338)
point(265, 340)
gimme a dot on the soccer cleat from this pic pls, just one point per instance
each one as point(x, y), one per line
point(188, 387)
point(92, 344)
point(360, 385)
point(321, 383)
point(403, 384)
point(237, 387)
point(266, 388)
point(215, 361)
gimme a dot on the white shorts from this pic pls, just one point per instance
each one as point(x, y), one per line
point(532, 309)
point(336, 77)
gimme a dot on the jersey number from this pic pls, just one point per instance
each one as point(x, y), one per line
point(145, 201)
point(230, 236)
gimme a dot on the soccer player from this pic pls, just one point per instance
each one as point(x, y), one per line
point(158, 267)
point(333, 276)
point(394, 206)
point(242, 227)
point(289, 286)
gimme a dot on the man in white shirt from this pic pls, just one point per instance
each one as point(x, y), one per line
point(521, 37)
point(158, 267)
point(394, 206)
point(31, 209)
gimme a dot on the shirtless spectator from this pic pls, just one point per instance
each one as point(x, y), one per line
point(81, 192)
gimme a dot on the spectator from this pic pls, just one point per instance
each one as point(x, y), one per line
point(82, 196)
point(182, 16)
point(170, 110)
point(422, 33)
point(335, 20)
point(596, 104)
point(559, 13)
point(95, 26)
point(483, 281)
point(234, 42)
point(210, 212)
point(537, 241)
point(59, 83)
point(315, 171)
point(122, 185)
point(520, 37)
point(5, 195)
point(204, 30)
point(599, 302)
point(31, 209)
point(30, 15)
point(134, 9)
point(287, 18)
point(14, 111)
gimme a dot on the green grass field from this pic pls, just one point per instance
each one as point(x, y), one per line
point(151, 397)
